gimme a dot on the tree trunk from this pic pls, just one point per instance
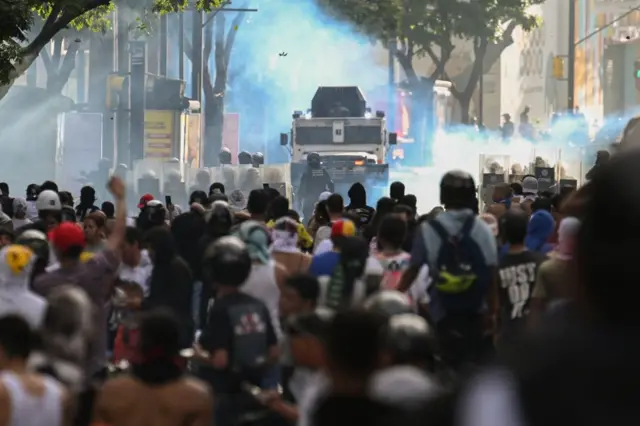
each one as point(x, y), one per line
point(465, 105)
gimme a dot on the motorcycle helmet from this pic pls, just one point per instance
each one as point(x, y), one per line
point(257, 159)
point(227, 262)
point(409, 339)
point(244, 158)
point(155, 211)
point(389, 303)
point(457, 189)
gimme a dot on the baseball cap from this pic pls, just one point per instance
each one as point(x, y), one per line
point(67, 235)
point(48, 200)
point(144, 200)
point(530, 185)
point(343, 228)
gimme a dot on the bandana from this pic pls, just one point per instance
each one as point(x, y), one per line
point(284, 242)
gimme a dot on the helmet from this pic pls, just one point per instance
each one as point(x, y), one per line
point(224, 157)
point(48, 201)
point(408, 339)
point(457, 188)
point(155, 211)
point(37, 242)
point(313, 159)
point(227, 262)
point(244, 158)
point(257, 159)
point(389, 303)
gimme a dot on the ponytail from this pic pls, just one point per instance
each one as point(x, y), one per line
point(354, 252)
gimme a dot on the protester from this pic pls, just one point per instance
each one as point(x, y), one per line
point(284, 248)
point(19, 218)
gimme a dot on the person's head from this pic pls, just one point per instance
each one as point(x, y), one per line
point(353, 348)
point(6, 237)
point(49, 186)
point(313, 160)
point(542, 203)
point(225, 156)
point(384, 206)
point(108, 209)
point(513, 227)
point(37, 242)
point(258, 203)
point(396, 191)
point(357, 195)
point(321, 213)
point(516, 188)
point(285, 235)
point(407, 339)
point(307, 333)
point(144, 200)
point(220, 220)
point(392, 232)
point(4, 188)
point(410, 201)
point(237, 201)
point(227, 263)
point(292, 214)
point(354, 252)
point(279, 208)
point(340, 230)
point(131, 246)
point(491, 221)
point(160, 244)
point(457, 190)
point(529, 185)
point(567, 234)
point(49, 208)
point(66, 199)
point(335, 204)
point(32, 192)
point(216, 188)
point(256, 239)
point(501, 192)
point(94, 227)
point(299, 294)
point(198, 196)
point(87, 196)
point(160, 336)
point(68, 241)
point(16, 341)
point(406, 212)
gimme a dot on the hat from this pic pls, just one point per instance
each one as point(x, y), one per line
point(324, 196)
point(19, 205)
point(144, 200)
point(67, 235)
point(256, 238)
point(48, 200)
point(343, 228)
point(530, 185)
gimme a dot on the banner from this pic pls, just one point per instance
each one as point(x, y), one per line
point(158, 134)
point(231, 135)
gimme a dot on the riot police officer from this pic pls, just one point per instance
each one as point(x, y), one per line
point(257, 159)
point(224, 157)
point(244, 158)
point(315, 180)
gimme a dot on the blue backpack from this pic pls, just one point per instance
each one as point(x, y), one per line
point(461, 278)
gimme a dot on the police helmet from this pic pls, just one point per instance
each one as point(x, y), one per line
point(257, 159)
point(389, 303)
point(409, 339)
point(244, 158)
point(457, 189)
point(224, 157)
point(227, 262)
point(37, 242)
point(313, 159)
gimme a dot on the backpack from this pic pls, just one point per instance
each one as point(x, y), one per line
point(461, 277)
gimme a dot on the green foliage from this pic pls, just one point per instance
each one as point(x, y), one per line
point(427, 23)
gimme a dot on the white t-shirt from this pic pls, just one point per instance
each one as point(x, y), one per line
point(19, 223)
point(262, 285)
point(140, 274)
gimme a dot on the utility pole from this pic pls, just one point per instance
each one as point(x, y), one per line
point(196, 63)
point(391, 94)
point(571, 67)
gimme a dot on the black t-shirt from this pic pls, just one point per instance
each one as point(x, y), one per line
point(517, 272)
point(241, 325)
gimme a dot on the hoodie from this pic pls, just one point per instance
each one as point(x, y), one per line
point(358, 204)
point(541, 226)
point(16, 263)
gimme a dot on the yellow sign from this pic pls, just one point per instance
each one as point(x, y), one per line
point(18, 258)
point(158, 134)
point(193, 140)
point(558, 67)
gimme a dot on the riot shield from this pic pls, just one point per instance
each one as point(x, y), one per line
point(174, 184)
point(494, 170)
point(277, 176)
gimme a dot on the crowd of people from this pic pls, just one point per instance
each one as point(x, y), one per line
point(521, 314)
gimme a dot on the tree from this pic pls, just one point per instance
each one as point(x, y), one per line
point(18, 50)
point(430, 28)
point(219, 38)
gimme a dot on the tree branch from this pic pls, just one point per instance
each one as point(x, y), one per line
point(219, 44)
point(478, 66)
point(215, 12)
point(68, 65)
point(208, 41)
point(232, 32)
point(46, 59)
point(57, 51)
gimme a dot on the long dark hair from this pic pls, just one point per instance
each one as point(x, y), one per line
point(384, 206)
point(354, 252)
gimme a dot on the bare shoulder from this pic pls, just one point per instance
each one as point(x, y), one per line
point(118, 385)
point(197, 388)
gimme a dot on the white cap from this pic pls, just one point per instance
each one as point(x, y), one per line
point(154, 203)
point(48, 200)
point(530, 185)
point(324, 196)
